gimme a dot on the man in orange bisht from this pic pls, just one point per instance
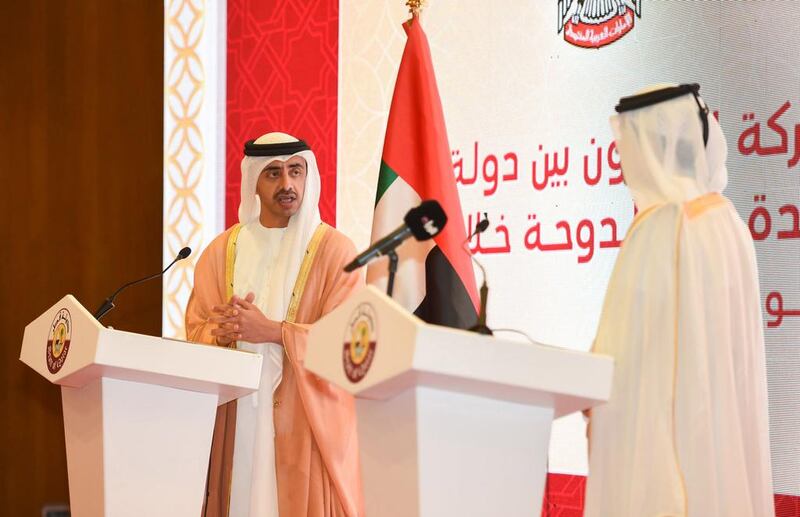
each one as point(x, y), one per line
point(291, 448)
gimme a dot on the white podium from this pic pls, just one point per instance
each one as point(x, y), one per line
point(450, 423)
point(139, 411)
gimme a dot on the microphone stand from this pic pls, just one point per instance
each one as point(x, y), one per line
point(108, 303)
point(480, 327)
point(392, 270)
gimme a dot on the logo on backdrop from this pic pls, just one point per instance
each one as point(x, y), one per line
point(359, 342)
point(58, 341)
point(596, 23)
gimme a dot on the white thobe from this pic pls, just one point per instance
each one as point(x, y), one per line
point(254, 491)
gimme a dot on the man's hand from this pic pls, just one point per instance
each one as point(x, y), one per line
point(226, 318)
point(253, 326)
point(240, 319)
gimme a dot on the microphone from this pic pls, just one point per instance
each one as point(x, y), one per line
point(423, 222)
point(481, 227)
point(108, 304)
point(480, 326)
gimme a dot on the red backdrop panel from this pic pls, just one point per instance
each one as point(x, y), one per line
point(787, 506)
point(282, 76)
point(564, 497)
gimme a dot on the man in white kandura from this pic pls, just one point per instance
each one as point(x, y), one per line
point(685, 432)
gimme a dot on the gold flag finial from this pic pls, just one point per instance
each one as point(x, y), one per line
point(415, 6)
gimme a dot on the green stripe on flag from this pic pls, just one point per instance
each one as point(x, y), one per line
point(386, 177)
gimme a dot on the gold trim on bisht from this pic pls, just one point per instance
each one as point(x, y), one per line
point(305, 269)
point(415, 6)
point(230, 259)
point(302, 276)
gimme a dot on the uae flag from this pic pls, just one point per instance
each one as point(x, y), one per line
point(434, 278)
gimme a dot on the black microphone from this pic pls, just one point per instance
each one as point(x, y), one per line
point(480, 326)
point(423, 222)
point(481, 227)
point(108, 304)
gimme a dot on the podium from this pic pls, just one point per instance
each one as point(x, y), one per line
point(451, 423)
point(139, 411)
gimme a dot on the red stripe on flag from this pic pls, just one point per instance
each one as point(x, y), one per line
point(283, 61)
point(416, 147)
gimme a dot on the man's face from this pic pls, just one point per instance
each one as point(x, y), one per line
point(280, 188)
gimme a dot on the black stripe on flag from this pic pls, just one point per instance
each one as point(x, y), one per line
point(446, 299)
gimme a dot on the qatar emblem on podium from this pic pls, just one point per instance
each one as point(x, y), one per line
point(359, 342)
point(596, 23)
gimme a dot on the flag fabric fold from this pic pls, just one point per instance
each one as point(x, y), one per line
point(435, 279)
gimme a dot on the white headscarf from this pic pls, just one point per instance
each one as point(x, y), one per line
point(302, 225)
point(665, 159)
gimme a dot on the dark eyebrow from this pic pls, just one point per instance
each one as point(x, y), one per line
point(272, 168)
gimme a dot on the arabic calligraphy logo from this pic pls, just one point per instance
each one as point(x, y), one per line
point(360, 340)
point(596, 23)
point(58, 341)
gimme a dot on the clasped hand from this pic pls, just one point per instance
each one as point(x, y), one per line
point(241, 320)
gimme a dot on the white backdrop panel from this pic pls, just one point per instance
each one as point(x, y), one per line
point(510, 85)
